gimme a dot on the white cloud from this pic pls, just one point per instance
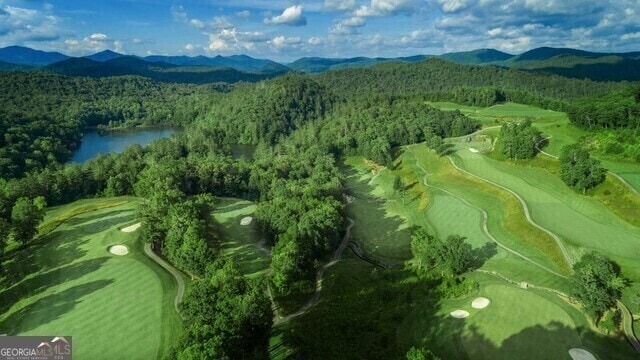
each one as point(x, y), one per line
point(315, 41)
point(339, 5)
point(179, 14)
point(94, 43)
point(379, 8)
point(197, 23)
point(19, 25)
point(243, 14)
point(280, 42)
point(494, 32)
point(453, 5)
point(631, 36)
point(291, 16)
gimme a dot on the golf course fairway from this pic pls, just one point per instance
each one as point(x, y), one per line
point(67, 283)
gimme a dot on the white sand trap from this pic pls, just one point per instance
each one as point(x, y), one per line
point(480, 303)
point(131, 228)
point(246, 221)
point(459, 314)
point(581, 354)
point(118, 250)
point(473, 150)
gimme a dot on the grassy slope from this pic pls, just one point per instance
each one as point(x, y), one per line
point(554, 206)
point(68, 284)
point(237, 240)
point(518, 324)
point(391, 307)
point(551, 123)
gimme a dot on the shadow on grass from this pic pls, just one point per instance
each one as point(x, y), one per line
point(57, 249)
point(41, 282)
point(112, 220)
point(392, 242)
point(49, 308)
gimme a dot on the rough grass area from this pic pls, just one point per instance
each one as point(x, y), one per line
point(67, 283)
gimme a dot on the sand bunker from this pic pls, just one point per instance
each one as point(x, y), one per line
point(246, 221)
point(459, 314)
point(131, 228)
point(581, 354)
point(480, 303)
point(473, 150)
point(119, 250)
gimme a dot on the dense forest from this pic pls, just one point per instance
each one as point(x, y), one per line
point(42, 116)
point(302, 125)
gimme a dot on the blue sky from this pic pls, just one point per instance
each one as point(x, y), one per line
point(287, 30)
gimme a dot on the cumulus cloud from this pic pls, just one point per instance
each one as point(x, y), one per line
point(243, 14)
point(20, 25)
point(94, 43)
point(339, 5)
point(315, 41)
point(379, 8)
point(449, 6)
point(291, 16)
point(281, 42)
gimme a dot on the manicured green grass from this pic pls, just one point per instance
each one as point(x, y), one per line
point(379, 228)
point(67, 283)
point(239, 241)
point(518, 324)
point(630, 172)
point(392, 308)
point(581, 221)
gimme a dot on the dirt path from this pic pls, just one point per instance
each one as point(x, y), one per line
point(527, 213)
point(627, 326)
point(316, 296)
point(173, 271)
point(485, 219)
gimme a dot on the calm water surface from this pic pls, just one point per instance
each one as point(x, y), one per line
point(115, 142)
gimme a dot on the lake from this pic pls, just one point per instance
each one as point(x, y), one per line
point(116, 141)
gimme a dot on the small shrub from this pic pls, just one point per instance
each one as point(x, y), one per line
point(457, 287)
point(610, 321)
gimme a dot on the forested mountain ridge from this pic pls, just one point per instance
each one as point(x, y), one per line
point(468, 84)
point(160, 71)
point(26, 56)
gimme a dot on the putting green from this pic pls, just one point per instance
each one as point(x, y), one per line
point(67, 283)
point(519, 324)
point(238, 240)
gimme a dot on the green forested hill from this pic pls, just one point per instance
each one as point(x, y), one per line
point(159, 71)
point(42, 114)
point(436, 75)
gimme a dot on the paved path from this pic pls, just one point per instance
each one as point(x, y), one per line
point(316, 296)
point(627, 325)
point(173, 271)
point(485, 219)
point(527, 213)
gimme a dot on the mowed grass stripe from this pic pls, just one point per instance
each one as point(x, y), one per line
point(115, 307)
point(505, 214)
point(579, 220)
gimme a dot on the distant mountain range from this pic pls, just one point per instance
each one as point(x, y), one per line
point(200, 69)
